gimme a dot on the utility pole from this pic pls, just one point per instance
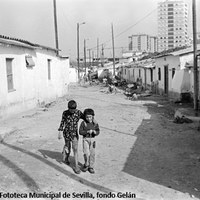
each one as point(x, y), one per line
point(97, 51)
point(92, 58)
point(55, 25)
point(89, 50)
point(196, 81)
point(85, 54)
point(78, 59)
point(113, 51)
point(102, 56)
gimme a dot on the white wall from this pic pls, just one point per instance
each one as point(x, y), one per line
point(73, 75)
point(31, 85)
point(177, 62)
point(172, 62)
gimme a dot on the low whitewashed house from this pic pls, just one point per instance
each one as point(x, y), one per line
point(30, 75)
point(73, 75)
point(109, 68)
point(166, 68)
point(143, 71)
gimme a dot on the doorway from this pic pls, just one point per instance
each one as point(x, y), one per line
point(166, 79)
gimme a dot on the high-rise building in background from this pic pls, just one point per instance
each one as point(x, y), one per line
point(143, 43)
point(172, 24)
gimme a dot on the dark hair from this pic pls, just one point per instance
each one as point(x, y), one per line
point(88, 111)
point(72, 104)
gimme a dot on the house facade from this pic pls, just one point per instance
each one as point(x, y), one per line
point(30, 75)
point(142, 71)
point(173, 75)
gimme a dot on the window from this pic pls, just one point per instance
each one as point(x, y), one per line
point(139, 72)
point(29, 61)
point(173, 72)
point(9, 73)
point(49, 69)
point(159, 74)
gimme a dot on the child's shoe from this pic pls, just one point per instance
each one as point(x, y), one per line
point(67, 161)
point(77, 170)
point(85, 168)
point(91, 170)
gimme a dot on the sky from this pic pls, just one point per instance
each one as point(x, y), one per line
point(33, 20)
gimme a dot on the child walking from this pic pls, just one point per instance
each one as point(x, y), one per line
point(89, 129)
point(69, 126)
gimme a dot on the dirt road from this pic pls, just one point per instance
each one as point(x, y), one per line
point(140, 154)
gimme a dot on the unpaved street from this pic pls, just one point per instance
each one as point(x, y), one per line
point(139, 151)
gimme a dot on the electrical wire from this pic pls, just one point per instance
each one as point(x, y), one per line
point(128, 28)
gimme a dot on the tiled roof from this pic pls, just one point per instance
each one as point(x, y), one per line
point(23, 43)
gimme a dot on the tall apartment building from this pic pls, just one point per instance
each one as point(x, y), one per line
point(172, 24)
point(143, 43)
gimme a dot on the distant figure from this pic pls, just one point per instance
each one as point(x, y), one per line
point(69, 126)
point(89, 130)
point(85, 78)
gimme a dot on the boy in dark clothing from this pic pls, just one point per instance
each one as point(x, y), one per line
point(89, 129)
point(69, 126)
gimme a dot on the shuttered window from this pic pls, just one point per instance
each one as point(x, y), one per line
point(29, 61)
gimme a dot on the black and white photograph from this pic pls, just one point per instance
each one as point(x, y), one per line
point(99, 99)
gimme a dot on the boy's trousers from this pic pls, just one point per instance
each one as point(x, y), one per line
point(69, 144)
point(89, 145)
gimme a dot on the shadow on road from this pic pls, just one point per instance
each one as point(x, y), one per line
point(56, 155)
point(28, 181)
point(60, 169)
point(166, 153)
point(116, 131)
point(52, 154)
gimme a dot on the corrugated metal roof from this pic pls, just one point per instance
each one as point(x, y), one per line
point(148, 63)
point(184, 51)
point(179, 52)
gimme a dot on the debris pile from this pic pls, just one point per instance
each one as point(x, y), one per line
point(135, 90)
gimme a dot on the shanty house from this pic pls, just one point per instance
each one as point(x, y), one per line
point(30, 75)
point(143, 71)
point(171, 81)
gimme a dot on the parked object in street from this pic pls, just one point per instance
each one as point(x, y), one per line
point(69, 126)
point(180, 119)
point(92, 76)
point(89, 130)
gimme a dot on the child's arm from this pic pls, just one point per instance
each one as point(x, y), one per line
point(82, 129)
point(96, 130)
point(62, 123)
